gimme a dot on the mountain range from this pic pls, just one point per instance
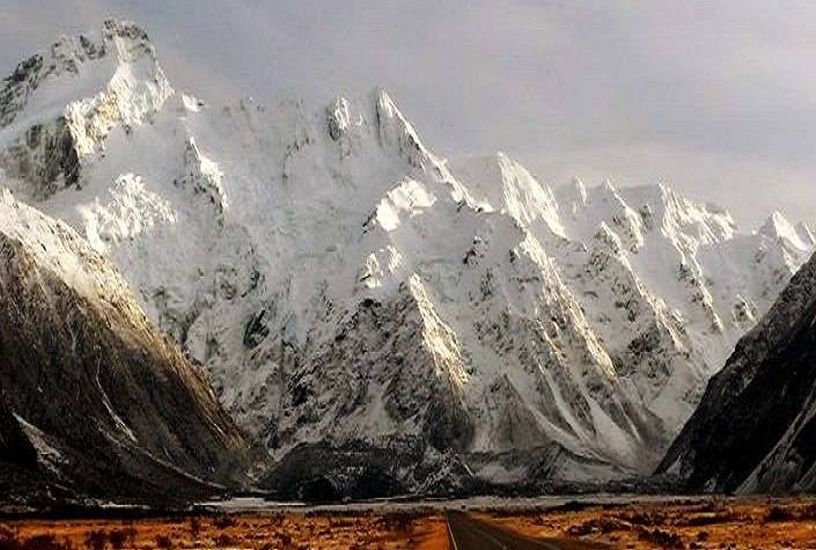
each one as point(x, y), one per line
point(375, 318)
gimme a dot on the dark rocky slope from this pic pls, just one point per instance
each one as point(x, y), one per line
point(95, 401)
point(755, 429)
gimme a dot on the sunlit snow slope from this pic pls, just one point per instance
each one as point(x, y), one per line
point(353, 293)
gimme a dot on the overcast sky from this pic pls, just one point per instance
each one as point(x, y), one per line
point(717, 98)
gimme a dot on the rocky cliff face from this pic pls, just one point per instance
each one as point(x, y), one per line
point(94, 400)
point(355, 296)
point(754, 429)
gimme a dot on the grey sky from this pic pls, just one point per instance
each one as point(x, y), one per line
point(717, 98)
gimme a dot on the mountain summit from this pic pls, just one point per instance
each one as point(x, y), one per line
point(62, 102)
point(381, 320)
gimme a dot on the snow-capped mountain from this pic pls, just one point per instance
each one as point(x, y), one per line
point(754, 429)
point(94, 401)
point(352, 292)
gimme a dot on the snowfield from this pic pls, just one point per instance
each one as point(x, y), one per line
point(351, 291)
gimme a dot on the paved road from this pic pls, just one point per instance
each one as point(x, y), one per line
point(468, 533)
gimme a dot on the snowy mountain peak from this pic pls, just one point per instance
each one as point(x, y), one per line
point(339, 118)
point(59, 105)
point(118, 59)
point(396, 132)
point(779, 228)
point(661, 207)
point(131, 41)
point(775, 225)
point(504, 185)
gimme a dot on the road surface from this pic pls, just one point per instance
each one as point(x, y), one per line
point(466, 532)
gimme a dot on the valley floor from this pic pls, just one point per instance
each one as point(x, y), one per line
point(586, 523)
point(266, 531)
point(690, 524)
